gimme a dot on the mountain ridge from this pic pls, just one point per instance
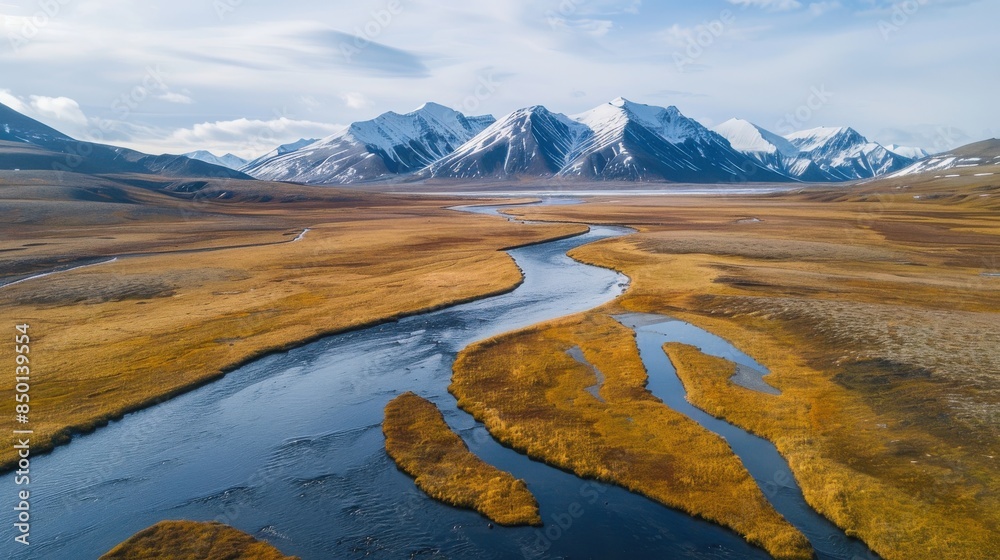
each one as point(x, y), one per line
point(389, 145)
point(617, 141)
point(33, 145)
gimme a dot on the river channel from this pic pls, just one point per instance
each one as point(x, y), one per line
point(289, 448)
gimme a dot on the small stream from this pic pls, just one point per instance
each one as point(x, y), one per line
point(759, 456)
point(289, 448)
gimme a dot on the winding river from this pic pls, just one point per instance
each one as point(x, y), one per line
point(289, 448)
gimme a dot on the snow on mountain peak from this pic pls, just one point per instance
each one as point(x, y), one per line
point(845, 153)
point(907, 151)
point(750, 138)
point(668, 123)
point(528, 141)
point(432, 107)
point(391, 129)
point(229, 160)
point(817, 138)
point(389, 144)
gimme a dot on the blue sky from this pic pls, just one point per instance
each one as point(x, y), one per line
point(244, 75)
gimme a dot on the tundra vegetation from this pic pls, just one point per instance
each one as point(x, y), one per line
point(874, 307)
point(190, 540)
point(423, 446)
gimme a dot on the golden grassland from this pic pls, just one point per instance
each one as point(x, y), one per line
point(423, 446)
point(877, 314)
point(113, 338)
point(190, 540)
point(532, 396)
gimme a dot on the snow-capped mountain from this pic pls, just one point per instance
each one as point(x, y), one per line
point(28, 144)
point(771, 150)
point(846, 155)
point(532, 141)
point(635, 142)
point(620, 140)
point(389, 145)
point(980, 158)
point(279, 151)
point(907, 151)
point(229, 160)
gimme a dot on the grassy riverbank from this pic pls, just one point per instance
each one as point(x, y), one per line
point(423, 446)
point(876, 310)
point(533, 397)
point(189, 540)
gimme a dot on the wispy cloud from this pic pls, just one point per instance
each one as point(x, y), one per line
point(819, 8)
point(247, 138)
point(773, 5)
point(356, 100)
point(314, 62)
point(326, 47)
point(174, 97)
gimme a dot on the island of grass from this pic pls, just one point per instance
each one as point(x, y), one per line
point(190, 540)
point(533, 396)
point(423, 446)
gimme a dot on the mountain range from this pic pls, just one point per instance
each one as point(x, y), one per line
point(617, 141)
point(30, 145)
point(387, 146)
point(979, 159)
point(229, 160)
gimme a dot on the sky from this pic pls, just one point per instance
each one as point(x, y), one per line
point(243, 76)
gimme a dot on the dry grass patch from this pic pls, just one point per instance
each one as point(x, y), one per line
point(113, 338)
point(532, 396)
point(423, 446)
point(877, 315)
point(189, 540)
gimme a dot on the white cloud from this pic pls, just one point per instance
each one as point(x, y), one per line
point(599, 7)
point(14, 102)
point(678, 36)
point(284, 60)
point(247, 138)
point(174, 97)
point(773, 5)
point(356, 100)
point(820, 8)
point(593, 27)
point(61, 113)
point(61, 109)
